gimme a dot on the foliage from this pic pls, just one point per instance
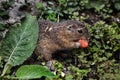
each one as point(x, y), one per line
point(18, 45)
point(73, 9)
point(78, 73)
point(101, 53)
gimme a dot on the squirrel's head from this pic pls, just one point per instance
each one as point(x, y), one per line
point(73, 30)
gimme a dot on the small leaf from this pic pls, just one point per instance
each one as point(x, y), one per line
point(33, 71)
point(117, 6)
point(116, 36)
point(39, 5)
point(95, 4)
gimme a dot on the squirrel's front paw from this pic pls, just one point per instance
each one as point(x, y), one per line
point(77, 44)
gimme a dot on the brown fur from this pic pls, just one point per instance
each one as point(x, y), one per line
point(59, 36)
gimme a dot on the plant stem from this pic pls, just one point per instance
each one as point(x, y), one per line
point(6, 67)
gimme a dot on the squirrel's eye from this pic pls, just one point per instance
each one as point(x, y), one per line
point(70, 28)
point(80, 31)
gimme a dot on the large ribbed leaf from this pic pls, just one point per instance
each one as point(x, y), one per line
point(20, 42)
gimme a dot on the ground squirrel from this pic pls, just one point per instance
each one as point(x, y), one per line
point(59, 36)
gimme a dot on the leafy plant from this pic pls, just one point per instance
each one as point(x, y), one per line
point(18, 44)
point(76, 73)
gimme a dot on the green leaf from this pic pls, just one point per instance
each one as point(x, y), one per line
point(61, 1)
point(117, 6)
point(39, 5)
point(95, 4)
point(20, 42)
point(116, 36)
point(33, 71)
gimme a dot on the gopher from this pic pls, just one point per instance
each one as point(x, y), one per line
point(59, 36)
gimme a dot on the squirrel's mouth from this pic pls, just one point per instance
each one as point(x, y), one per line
point(76, 40)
